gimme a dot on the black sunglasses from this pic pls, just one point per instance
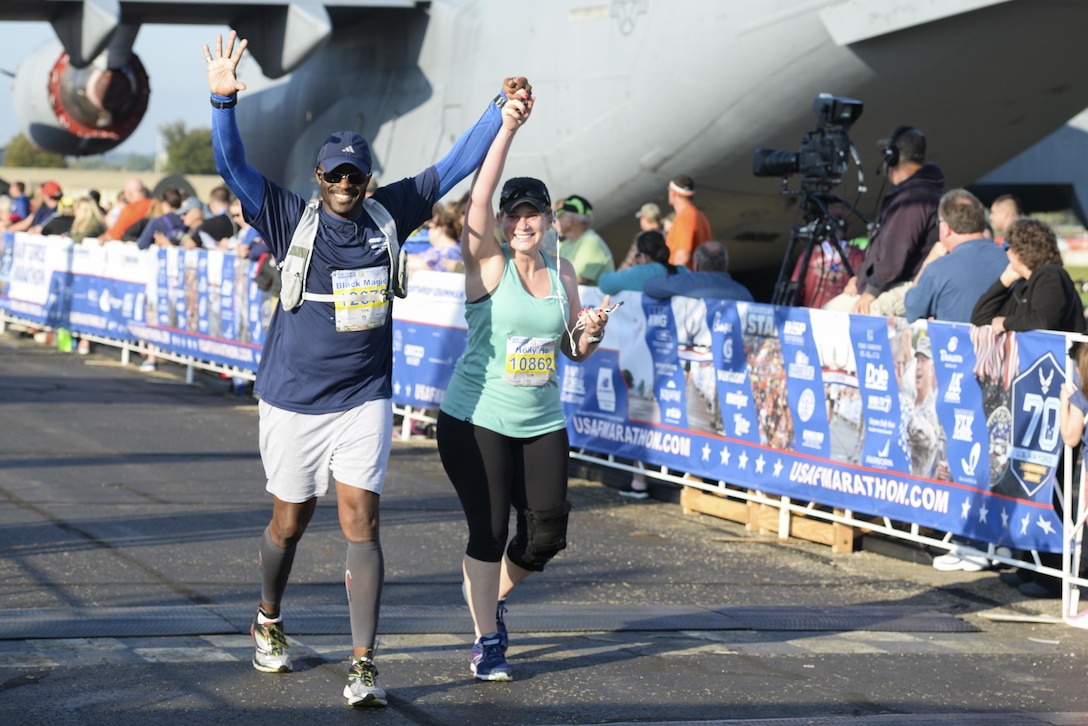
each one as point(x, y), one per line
point(529, 191)
point(355, 178)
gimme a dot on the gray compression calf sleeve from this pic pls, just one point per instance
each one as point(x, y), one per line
point(363, 579)
point(275, 568)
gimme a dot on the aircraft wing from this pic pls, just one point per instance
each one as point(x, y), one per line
point(289, 32)
point(859, 20)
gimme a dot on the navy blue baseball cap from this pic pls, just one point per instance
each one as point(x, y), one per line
point(345, 147)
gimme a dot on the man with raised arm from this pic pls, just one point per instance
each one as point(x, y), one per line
point(324, 378)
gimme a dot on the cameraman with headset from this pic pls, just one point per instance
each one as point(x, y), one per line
point(905, 231)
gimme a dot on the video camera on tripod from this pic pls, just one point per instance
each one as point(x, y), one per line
point(821, 162)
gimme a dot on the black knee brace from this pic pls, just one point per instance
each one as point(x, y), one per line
point(545, 535)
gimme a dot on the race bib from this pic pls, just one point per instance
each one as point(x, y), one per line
point(359, 298)
point(529, 361)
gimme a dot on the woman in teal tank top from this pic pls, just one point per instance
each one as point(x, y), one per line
point(502, 435)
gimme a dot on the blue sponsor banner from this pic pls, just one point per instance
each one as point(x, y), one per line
point(884, 447)
point(224, 298)
point(596, 392)
point(739, 419)
point(804, 382)
point(423, 360)
point(167, 261)
point(958, 404)
point(1036, 433)
point(945, 426)
point(203, 323)
point(1035, 446)
point(669, 380)
point(99, 305)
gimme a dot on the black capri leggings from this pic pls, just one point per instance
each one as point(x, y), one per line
point(490, 472)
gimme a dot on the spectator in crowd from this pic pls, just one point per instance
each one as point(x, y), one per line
point(1073, 402)
point(579, 243)
point(61, 222)
point(905, 229)
point(649, 217)
point(651, 260)
point(114, 212)
point(247, 239)
point(154, 211)
point(1034, 292)
point(249, 246)
point(711, 278)
point(961, 266)
point(137, 203)
point(167, 228)
point(97, 197)
point(444, 251)
point(953, 278)
point(666, 223)
point(324, 379)
point(192, 214)
point(1003, 211)
point(1072, 417)
point(50, 194)
point(690, 227)
point(20, 204)
point(217, 229)
point(89, 222)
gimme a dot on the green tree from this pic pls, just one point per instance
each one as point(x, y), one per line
point(20, 152)
point(188, 152)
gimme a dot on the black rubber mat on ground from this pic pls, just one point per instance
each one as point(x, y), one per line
point(210, 620)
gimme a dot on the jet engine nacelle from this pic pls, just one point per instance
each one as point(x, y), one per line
point(79, 111)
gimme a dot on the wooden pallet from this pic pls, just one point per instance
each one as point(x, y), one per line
point(768, 519)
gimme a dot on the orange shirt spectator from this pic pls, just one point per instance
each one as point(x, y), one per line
point(137, 202)
point(690, 228)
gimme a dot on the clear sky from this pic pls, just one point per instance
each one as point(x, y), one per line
point(170, 55)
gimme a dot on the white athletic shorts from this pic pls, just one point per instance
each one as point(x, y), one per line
point(301, 450)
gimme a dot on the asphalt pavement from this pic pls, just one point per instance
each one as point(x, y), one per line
point(132, 506)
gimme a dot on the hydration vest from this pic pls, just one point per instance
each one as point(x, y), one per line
point(296, 263)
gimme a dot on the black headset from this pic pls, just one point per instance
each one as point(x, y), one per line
point(891, 151)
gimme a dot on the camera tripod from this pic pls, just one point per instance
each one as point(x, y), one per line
point(820, 226)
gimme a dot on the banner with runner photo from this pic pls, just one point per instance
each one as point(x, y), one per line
point(946, 426)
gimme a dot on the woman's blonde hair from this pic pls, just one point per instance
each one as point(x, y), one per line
point(86, 215)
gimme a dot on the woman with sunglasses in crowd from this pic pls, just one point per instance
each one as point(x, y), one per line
point(502, 434)
point(1035, 292)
